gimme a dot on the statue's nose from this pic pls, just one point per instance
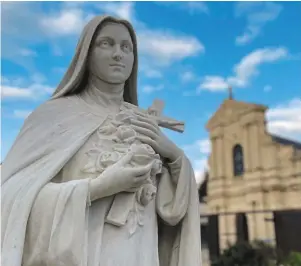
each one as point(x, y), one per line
point(117, 55)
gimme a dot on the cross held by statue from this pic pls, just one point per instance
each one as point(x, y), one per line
point(155, 112)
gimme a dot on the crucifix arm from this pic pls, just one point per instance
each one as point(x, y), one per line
point(155, 113)
point(169, 123)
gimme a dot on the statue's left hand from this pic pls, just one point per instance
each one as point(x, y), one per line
point(153, 136)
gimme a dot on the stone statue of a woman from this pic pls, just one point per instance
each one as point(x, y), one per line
point(91, 180)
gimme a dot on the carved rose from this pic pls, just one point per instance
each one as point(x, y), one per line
point(106, 130)
point(143, 153)
point(124, 117)
point(157, 167)
point(106, 159)
point(146, 194)
point(121, 148)
point(126, 134)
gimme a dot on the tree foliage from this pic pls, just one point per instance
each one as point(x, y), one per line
point(247, 254)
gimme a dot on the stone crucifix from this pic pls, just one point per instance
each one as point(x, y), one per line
point(155, 112)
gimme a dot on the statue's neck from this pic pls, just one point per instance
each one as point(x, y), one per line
point(100, 93)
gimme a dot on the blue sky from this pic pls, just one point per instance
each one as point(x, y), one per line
point(188, 54)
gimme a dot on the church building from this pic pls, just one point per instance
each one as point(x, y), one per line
point(253, 187)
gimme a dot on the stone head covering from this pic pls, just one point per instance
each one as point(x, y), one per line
point(73, 79)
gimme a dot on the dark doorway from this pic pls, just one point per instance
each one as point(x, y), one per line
point(242, 232)
point(212, 236)
point(288, 230)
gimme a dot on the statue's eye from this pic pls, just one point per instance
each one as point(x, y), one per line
point(104, 43)
point(126, 47)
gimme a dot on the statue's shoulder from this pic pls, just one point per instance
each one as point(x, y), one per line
point(50, 109)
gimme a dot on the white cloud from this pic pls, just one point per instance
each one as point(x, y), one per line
point(22, 113)
point(123, 10)
point(17, 88)
point(213, 83)
point(164, 48)
point(285, 119)
point(15, 92)
point(66, 22)
point(149, 89)
point(188, 76)
point(204, 146)
point(199, 147)
point(193, 7)
point(248, 66)
point(197, 153)
point(245, 70)
point(150, 72)
point(257, 15)
point(199, 167)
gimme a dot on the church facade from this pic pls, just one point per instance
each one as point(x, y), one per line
point(254, 182)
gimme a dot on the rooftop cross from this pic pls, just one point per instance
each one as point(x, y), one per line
point(230, 92)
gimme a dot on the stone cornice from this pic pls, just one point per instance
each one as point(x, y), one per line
point(231, 110)
point(225, 193)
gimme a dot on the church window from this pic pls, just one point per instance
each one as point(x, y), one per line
point(238, 160)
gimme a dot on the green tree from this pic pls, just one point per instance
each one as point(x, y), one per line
point(247, 254)
point(294, 259)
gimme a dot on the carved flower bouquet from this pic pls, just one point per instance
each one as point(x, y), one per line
point(122, 138)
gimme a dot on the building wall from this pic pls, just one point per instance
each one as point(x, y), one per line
point(271, 180)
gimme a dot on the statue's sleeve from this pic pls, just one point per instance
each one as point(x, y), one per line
point(179, 219)
point(173, 192)
point(56, 228)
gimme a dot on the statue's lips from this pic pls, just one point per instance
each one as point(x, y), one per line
point(117, 65)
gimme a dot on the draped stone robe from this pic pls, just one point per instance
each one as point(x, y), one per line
point(48, 219)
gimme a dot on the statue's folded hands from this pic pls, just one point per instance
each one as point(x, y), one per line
point(119, 177)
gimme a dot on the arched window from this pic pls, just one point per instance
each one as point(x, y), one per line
point(238, 160)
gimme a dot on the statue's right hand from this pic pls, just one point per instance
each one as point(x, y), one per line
point(119, 177)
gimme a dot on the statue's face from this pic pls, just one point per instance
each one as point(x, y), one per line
point(112, 56)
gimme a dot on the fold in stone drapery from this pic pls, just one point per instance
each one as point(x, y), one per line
point(179, 217)
point(58, 232)
point(41, 149)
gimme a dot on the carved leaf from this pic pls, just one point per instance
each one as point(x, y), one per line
point(133, 223)
point(89, 168)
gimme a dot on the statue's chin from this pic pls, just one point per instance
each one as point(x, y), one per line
point(115, 78)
